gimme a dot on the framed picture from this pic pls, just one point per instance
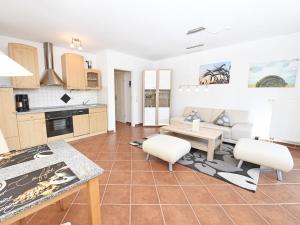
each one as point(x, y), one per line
point(279, 74)
point(215, 73)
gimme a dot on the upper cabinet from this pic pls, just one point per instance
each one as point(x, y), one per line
point(27, 56)
point(93, 79)
point(73, 71)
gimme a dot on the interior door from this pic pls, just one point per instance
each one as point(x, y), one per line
point(119, 97)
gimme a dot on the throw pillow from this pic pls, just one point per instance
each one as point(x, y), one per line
point(223, 120)
point(194, 115)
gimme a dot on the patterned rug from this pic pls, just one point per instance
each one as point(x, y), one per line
point(223, 167)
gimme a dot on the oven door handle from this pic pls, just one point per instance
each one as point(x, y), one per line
point(57, 118)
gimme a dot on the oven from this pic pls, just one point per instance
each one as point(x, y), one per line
point(59, 123)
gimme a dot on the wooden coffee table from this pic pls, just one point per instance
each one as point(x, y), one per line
point(205, 139)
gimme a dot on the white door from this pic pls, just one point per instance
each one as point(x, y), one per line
point(149, 116)
point(119, 97)
point(164, 79)
point(163, 116)
point(150, 79)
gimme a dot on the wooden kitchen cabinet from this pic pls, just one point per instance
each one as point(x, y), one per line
point(73, 71)
point(93, 79)
point(27, 56)
point(98, 120)
point(81, 125)
point(8, 119)
point(32, 129)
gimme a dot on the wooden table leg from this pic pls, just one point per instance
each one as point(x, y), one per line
point(211, 149)
point(64, 204)
point(94, 201)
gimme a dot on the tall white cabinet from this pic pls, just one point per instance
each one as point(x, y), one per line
point(156, 99)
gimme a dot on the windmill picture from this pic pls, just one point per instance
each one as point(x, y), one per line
point(216, 73)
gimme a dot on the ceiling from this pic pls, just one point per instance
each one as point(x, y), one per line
point(152, 29)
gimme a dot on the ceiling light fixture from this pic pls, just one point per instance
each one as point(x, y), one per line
point(76, 43)
point(194, 46)
point(189, 87)
point(196, 30)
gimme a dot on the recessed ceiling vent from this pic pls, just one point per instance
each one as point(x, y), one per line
point(50, 77)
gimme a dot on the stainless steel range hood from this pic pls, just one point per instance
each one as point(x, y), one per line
point(50, 77)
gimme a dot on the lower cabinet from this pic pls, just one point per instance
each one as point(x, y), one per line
point(32, 132)
point(98, 120)
point(32, 127)
point(8, 118)
point(81, 125)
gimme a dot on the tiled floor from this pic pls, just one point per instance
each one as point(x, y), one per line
point(139, 192)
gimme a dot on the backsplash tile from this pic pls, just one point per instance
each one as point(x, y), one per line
point(50, 96)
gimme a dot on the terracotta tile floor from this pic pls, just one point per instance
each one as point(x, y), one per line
point(139, 192)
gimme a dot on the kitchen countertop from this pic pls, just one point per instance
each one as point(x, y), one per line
point(61, 108)
point(83, 168)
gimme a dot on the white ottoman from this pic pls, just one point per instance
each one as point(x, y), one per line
point(167, 148)
point(265, 154)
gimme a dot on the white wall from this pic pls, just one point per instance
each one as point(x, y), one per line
point(50, 96)
point(235, 95)
point(110, 60)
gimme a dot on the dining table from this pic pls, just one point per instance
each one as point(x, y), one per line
point(34, 178)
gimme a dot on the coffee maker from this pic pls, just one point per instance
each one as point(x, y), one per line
point(22, 103)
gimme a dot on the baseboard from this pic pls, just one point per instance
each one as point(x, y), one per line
point(69, 138)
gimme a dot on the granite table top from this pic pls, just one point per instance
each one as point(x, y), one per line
point(81, 166)
point(61, 108)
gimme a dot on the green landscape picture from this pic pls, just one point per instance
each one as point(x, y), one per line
point(281, 73)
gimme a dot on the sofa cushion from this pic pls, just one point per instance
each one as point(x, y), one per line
point(223, 120)
point(194, 115)
point(241, 130)
point(226, 130)
point(205, 114)
point(179, 121)
point(188, 110)
point(215, 114)
point(237, 116)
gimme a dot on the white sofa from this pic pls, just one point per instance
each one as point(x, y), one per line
point(241, 128)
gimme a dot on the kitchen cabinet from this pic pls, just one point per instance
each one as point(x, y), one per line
point(81, 125)
point(93, 79)
point(98, 120)
point(8, 119)
point(27, 56)
point(73, 71)
point(32, 129)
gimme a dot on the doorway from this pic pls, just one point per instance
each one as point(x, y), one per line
point(122, 96)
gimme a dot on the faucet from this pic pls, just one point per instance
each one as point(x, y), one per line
point(85, 102)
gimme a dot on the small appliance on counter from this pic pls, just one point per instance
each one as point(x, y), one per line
point(22, 103)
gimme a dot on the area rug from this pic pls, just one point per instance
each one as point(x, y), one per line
point(223, 167)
